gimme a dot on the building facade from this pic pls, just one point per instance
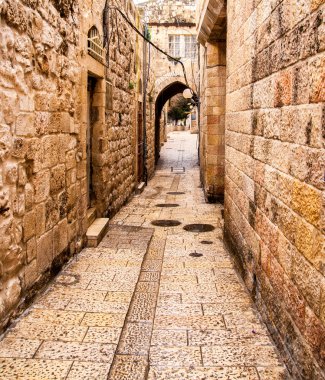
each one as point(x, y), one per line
point(263, 84)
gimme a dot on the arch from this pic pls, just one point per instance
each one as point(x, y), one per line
point(166, 90)
point(167, 80)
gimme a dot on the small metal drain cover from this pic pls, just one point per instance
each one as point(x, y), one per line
point(181, 169)
point(196, 254)
point(206, 242)
point(165, 223)
point(175, 193)
point(199, 227)
point(167, 205)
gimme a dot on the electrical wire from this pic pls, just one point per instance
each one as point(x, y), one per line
point(151, 43)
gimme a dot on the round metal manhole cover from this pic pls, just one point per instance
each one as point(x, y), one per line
point(165, 223)
point(175, 193)
point(197, 227)
point(167, 205)
point(206, 242)
point(196, 254)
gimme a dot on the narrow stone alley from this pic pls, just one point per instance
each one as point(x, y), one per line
point(149, 302)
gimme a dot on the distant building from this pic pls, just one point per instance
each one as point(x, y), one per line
point(172, 28)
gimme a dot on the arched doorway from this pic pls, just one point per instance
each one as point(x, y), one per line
point(170, 90)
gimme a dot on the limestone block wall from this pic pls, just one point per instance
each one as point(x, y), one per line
point(274, 184)
point(150, 131)
point(42, 184)
point(45, 71)
point(114, 128)
point(212, 128)
point(169, 11)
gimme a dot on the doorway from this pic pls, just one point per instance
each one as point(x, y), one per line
point(140, 143)
point(91, 84)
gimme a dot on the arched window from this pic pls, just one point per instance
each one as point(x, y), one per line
point(95, 44)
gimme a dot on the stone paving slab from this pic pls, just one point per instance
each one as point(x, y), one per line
point(175, 356)
point(219, 373)
point(35, 369)
point(240, 355)
point(88, 370)
point(92, 352)
point(169, 338)
point(139, 307)
point(74, 327)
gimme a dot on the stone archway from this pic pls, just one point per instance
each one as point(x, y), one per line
point(165, 90)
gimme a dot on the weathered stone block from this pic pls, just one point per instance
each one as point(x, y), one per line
point(70, 159)
point(50, 151)
point(44, 251)
point(314, 332)
point(31, 249)
point(25, 124)
point(31, 274)
point(308, 240)
point(307, 279)
point(283, 89)
point(29, 196)
point(322, 302)
point(12, 293)
point(317, 79)
point(40, 219)
point(41, 183)
point(294, 302)
point(60, 237)
point(57, 181)
point(29, 225)
point(307, 202)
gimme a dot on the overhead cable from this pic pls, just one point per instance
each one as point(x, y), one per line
point(151, 43)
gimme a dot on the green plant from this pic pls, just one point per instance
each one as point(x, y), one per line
point(131, 85)
point(180, 110)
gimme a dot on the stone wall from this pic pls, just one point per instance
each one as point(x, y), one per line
point(45, 70)
point(42, 192)
point(274, 204)
point(169, 11)
point(114, 128)
point(212, 123)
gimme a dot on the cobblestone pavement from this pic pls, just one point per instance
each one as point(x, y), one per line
point(150, 302)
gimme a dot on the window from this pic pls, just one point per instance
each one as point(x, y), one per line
point(182, 46)
point(190, 47)
point(95, 45)
point(174, 45)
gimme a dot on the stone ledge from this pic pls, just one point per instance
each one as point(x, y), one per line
point(140, 188)
point(96, 232)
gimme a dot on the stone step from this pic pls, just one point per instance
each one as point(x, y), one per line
point(140, 188)
point(91, 215)
point(96, 232)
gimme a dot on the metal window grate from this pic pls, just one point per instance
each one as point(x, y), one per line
point(95, 45)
